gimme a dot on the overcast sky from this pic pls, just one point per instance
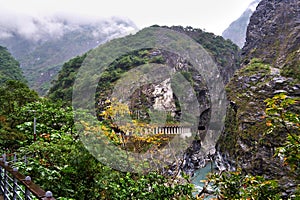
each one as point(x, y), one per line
point(211, 15)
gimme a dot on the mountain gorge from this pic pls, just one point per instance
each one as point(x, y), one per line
point(270, 66)
point(253, 150)
point(43, 45)
point(159, 94)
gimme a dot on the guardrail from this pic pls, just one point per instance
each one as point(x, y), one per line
point(16, 186)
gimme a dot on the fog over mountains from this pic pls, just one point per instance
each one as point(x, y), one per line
point(43, 43)
point(41, 28)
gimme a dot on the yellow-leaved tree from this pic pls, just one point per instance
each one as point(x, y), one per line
point(131, 134)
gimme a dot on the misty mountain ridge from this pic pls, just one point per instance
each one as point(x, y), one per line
point(42, 45)
point(236, 32)
point(39, 29)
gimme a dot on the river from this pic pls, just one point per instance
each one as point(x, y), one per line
point(199, 176)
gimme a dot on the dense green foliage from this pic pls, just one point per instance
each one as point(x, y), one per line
point(65, 167)
point(62, 86)
point(282, 112)
point(235, 185)
point(58, 161)
point(9, 67)
point(14, 95)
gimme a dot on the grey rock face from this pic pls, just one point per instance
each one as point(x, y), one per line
point(236, 32)
point(273, 32)
point(272, 37)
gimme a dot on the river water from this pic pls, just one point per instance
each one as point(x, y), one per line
point(199, 176)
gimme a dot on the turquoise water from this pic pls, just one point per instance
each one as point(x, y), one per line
point(200, 175)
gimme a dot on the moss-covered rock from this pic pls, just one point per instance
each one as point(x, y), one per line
point(244, 141)
point(270, 66)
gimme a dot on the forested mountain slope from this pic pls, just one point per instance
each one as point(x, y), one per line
point(225, 54)
point(9, 67)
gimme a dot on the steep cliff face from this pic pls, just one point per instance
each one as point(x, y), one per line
point(225, 53)
point(270, 54)
point(236, 31)
point(273, 35)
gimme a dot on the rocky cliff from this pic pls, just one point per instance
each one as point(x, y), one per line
point(270, 66)
point(225, 53)
point(236, 31)
point(273, 36)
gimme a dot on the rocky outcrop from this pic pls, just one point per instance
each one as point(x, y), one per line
point(273, 35)
point(158, 95)
point(270, 54)
point(224, 52)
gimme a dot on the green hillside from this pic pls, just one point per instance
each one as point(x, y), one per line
point(224, 52)
point(9, 67)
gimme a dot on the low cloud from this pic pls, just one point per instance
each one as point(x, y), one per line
point(40, 27)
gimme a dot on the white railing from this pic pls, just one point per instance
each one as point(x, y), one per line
point(167, 130)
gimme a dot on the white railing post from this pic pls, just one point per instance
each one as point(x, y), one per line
point(1, 179)
point(15, 189)
point(27, 194)
point(5, 185)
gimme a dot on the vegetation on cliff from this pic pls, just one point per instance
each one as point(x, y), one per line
point(261, 138)
point(270, 67)
point(225, 53)
point(282, 121)
point(9, 67)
